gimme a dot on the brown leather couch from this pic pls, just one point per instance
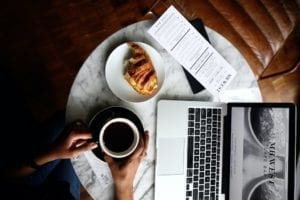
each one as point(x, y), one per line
point(266, 32)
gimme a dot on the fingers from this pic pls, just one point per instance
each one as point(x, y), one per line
point(80, 142)
point(84, 147)
point(111, 162)
point(146, 140)
point(142, 147)
point(139, 150)
point(76, 139)
point(79, 134)
point(146, 143)
point(83, 136)
point(108, 159)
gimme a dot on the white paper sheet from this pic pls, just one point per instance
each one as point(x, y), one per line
point(241, 95)
point(101, 170)
point(192, 51)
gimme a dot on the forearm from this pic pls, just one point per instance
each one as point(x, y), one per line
point(26, 169)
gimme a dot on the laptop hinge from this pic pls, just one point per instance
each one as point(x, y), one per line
point(297, 129)
point(226, 154)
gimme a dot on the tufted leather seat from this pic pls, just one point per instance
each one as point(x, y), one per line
point(266, 32)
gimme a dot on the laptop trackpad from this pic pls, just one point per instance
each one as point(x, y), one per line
point(170, 156)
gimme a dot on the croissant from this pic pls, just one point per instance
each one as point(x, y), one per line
point(139, 72)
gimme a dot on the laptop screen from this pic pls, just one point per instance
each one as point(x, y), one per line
point(260, 151)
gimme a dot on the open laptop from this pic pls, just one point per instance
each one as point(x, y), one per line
point(235, 151)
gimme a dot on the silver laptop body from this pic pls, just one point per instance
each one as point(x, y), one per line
point(173, 133)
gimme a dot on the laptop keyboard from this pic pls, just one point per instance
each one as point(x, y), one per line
point(203, 163)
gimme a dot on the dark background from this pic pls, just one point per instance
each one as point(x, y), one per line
point(44, 43)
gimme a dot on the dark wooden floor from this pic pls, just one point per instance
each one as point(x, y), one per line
point(44, 43)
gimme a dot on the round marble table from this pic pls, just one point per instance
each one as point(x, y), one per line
point(90, 93)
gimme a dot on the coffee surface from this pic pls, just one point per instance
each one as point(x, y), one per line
point(118, 137)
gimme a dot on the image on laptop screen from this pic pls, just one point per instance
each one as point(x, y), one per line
point(259, 153)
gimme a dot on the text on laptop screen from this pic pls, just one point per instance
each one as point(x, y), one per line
point(259, 153)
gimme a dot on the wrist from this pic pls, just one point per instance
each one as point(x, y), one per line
point(32, 163)
point(124, 193)
point(44, 158)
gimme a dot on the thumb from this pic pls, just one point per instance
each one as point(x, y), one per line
point(85, 147)
point(111, 163)
point(108, 159)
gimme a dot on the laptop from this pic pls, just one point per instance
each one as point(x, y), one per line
point(210, 150)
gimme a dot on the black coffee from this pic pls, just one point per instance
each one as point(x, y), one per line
point(118, 136)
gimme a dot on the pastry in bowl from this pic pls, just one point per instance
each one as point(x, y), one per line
point(139, 70)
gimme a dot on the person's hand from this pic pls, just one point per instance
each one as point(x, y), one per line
point(75, 144)
point(76, 141)
point(123, 173)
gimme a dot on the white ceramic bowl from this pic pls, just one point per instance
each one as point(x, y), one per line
point(115, 69)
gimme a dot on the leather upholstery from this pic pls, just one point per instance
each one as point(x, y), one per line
point(266, 32)
point(283, 88)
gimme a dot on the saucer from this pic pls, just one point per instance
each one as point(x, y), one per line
point(101, 117)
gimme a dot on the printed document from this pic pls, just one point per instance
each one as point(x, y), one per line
point(192, 51)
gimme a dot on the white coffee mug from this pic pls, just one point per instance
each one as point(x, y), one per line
point(119, 137)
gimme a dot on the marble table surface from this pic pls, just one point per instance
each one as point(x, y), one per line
point(90, 93)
